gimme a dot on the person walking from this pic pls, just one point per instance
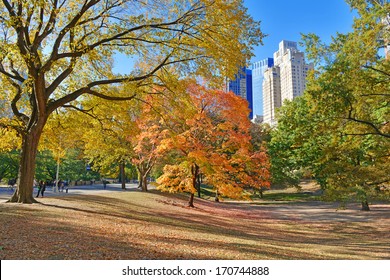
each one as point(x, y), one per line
point(41, 188)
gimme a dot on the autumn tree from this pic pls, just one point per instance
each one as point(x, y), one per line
point(146, 140)
point(54, 52)
point(105, 135)
point(58, 138)
point(212, 136)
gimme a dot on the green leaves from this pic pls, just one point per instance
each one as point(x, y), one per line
point(339, 129)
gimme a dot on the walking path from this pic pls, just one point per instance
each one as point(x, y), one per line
point(6, 192)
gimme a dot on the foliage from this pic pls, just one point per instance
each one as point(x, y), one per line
point(9, 162)
point(212, 135)
point(54, 52)
point(72, 168)
point(105, 137)
point(146, 141)
point(340, 127)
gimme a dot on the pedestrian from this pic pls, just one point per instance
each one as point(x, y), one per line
point(41, 188)
point(59, 185)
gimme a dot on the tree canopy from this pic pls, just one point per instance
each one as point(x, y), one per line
point(212, 136)
point(340, 128)
point(54, 52)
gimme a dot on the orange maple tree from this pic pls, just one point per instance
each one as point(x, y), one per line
point(146, 141)
point(212, 135)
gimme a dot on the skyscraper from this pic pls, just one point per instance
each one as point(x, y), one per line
point(242, 86)
point(258, 69)
point(286, 80)
point(271, 93)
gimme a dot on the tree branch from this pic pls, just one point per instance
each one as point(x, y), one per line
point(22, 117)
point(377, 70)
point(9, 75)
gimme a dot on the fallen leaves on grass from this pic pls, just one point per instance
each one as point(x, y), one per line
point(135, 225)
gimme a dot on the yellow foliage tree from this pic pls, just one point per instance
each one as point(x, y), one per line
point(54, 52)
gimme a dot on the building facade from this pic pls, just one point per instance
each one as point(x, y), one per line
point(258, 69)
point(271, 94)
point(242, 86)
point(285, 80)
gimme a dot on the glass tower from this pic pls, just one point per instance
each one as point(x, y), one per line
point(258, 69)
point(242, 86)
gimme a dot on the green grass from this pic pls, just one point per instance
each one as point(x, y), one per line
point(296, 197)
point(287, 195)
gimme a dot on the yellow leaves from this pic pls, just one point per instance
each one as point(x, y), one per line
point(9, 140)
point(176, 178)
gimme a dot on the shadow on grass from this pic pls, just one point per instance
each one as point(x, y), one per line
point(210, 231)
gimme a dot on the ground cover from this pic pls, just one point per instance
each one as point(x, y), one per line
point(136, 225)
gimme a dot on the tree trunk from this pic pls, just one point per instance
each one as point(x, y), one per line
point(198, 184)
point(122, 174)
point(216, 196)
point(365, 206)
point(261, 192)
point(195, 174)
point(143, 173)
point(25, 182)
point(139, 179)
point(145, 183)
point(191, 201)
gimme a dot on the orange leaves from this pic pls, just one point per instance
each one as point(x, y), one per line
point(213, 132)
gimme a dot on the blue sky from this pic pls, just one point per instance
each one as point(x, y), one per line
point(287, 19)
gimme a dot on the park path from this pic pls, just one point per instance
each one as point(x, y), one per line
point(6, 192)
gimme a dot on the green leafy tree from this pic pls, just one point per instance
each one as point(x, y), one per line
point(9, 162)
point(340, 127)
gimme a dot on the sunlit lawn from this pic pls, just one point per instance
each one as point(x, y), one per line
point(135, 225)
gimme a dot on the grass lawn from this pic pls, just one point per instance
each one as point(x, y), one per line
point(136, 225)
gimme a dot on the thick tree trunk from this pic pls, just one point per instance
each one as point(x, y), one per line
point(365, 206)
point(25, 182)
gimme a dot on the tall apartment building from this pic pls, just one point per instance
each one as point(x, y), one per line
point(242, 86)
point(258, 69)
point(271, 94)
point(285, 80)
